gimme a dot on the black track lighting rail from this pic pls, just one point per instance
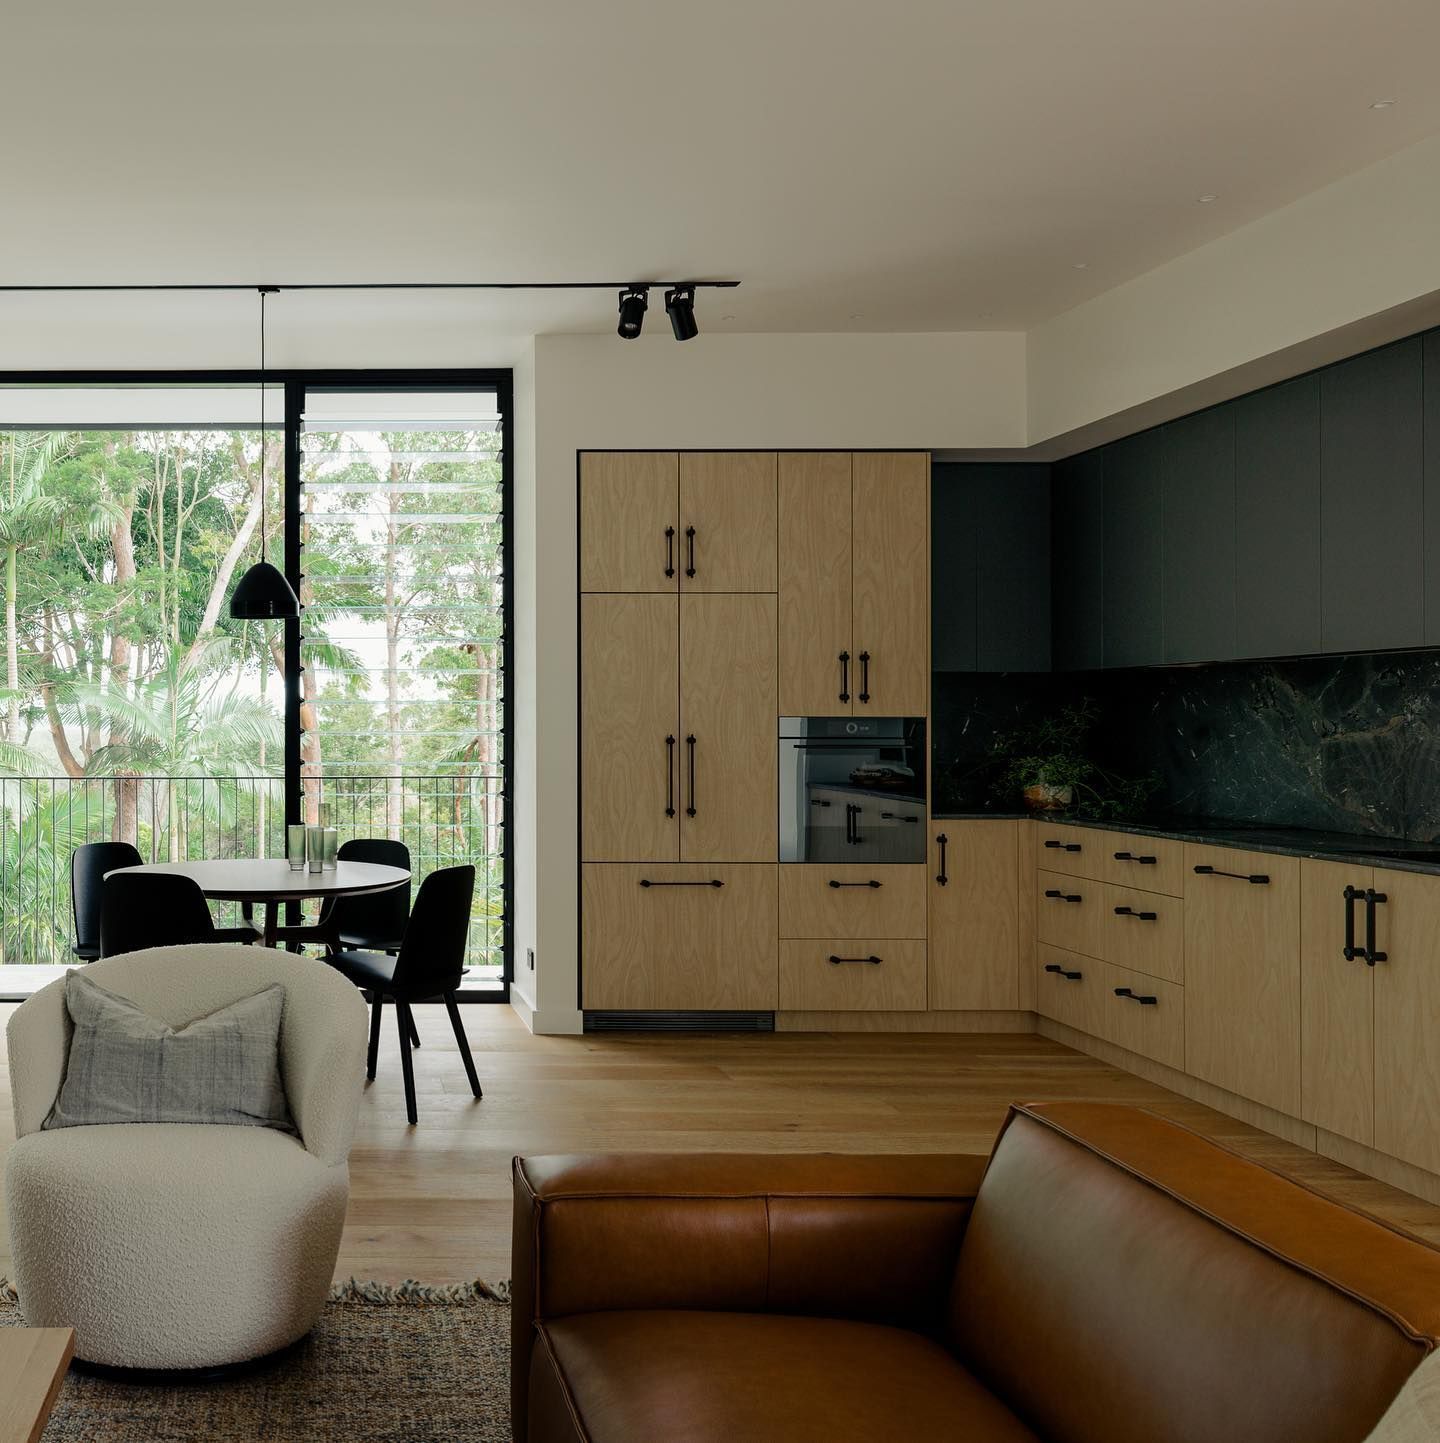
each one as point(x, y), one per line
point(721, 285)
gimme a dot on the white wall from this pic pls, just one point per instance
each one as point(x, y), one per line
point(766, 392)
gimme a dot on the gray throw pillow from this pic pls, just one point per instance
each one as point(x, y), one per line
point(125, 1066)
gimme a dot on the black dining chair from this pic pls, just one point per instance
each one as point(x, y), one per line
point(430, 964)
point(88, 865)
point(157, 909)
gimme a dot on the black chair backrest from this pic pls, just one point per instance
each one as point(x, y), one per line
point(88, 865)
point(432, 956)
point(380, 916)
point(151, 909)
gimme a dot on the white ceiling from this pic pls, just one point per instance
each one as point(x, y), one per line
point(886, 167)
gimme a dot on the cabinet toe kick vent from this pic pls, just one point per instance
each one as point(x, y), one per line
point(679, 1022)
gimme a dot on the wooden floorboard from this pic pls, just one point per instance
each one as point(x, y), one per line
point(433, 1202)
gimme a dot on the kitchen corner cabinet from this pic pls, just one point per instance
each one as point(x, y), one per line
point(854, 584)
point(974, 915)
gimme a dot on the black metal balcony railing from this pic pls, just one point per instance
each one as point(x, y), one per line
point(443, 819)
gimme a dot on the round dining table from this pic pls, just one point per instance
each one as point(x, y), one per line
point(272, 881)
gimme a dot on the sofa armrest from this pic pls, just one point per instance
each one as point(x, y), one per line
point(871, 1237)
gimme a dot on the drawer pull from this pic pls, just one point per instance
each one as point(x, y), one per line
point(1131, 857)
point(896, 817)
point(1059, 896)
point(1144, 1001)
point(836, 961)
point(1061, 972)
point(1063, 846)
point(834, 883)
point(714, 882)
point(1138, 916)
point(1257, 879)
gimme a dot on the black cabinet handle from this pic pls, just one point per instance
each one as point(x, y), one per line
point(1372, 900)
point(1142, 999)
point(852, 824)
point(669, 551)
point(1138, 916)
point(1350, 951)
point(1258, 879)
point(669, 776)
point(1060, 971)
point(864, 676)
point(690, 745)
point(942, 876)
point(896, 817)
point(1063, 846)
point(844, 676)
point(836, 961)
point(690, 550)
point(1062, 896)
point(834, 883)
point(1131, 857)
point(817, 802)
point(714, 882)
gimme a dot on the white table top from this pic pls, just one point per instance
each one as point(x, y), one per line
point(244, 879)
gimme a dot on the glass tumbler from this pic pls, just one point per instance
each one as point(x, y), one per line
point(329, 847)
point(315, 848)
point(295, 846)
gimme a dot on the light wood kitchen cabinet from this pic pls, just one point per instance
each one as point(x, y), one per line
point(629, 521)
point(1407, 1017)
point(854, 584)
point(847, 974)
point(1242, 973)
point(1068, 911)
point(1143, 1014)
point(974, 901)
point(1144, 931)
point(1337, 1001)
point(1070, 988)
point(849, 900)
point(728, 533)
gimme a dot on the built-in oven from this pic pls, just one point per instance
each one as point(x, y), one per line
point(852, 789)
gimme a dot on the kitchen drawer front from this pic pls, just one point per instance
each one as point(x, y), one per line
point(1069, 911)
point(852, 901)
point(1076, 851)
point(1069, 988)
point(1144, 931)
point(1155, 1029)
point(1153, 864)
point(894, 981)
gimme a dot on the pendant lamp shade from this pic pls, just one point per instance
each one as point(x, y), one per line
point(263, 594)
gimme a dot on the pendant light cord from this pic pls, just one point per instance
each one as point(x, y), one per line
point(262, 424)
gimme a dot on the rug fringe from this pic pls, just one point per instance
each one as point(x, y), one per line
point(406, 1294)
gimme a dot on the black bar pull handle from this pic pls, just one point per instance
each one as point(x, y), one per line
point(1143, 999)
point(1256, 879)
point(1350, 951)
point(836, 961)
point(1060, 896)
point(844, 676)
point(864, 676)
point(897, 817)
point(713, 882)
point(690, 551)
point(1131, 857)
point(1062, 846)
point(1373, 900)
point(669, 551)
point(690, 744)
point(1138, 916)
point(943, 875)
point(1061, 972)
point(669, 776)
point(872, 884)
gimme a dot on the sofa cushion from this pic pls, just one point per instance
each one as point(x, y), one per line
point(1123, 1280)
point(697, 1377)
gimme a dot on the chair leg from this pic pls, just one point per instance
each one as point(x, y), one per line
point(414, 1032)
point(402, 1017)
point(463, 1042)
point(377, 1007)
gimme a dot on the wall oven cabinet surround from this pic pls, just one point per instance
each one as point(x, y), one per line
point(854, 583)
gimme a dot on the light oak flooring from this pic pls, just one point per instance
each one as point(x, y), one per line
point(433, 1202)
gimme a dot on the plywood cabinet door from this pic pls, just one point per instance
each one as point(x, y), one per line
point(1337, 1002)
point(629, 728)
point(1407, 1018)
point(891, 579)
point(816, 667)
point(629, 521)
point(727, 728)
point(728, 526)
point(974, 907)
point(1242, 973)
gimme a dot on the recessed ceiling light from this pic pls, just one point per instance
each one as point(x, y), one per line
point(1382, 104)
point(1206, 198)
point(1082, 265)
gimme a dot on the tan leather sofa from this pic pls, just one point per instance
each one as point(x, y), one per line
point(1107, 1277)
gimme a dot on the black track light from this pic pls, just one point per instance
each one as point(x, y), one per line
point(680, 306)
point(634, 300)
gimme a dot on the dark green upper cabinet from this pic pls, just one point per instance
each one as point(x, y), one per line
point(1431, 364)
point(1076, 530)
point(1372, 510)
point(1133, 520)
point(1277, 520)
point(1198, 547)
point(990, 567)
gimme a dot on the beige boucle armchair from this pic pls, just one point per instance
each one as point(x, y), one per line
point(169, 1246)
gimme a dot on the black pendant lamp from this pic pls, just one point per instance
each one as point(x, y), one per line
point(263, 594)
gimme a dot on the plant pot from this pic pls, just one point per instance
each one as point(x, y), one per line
point(1043, 797)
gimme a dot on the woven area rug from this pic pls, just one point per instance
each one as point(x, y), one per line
point(407, 1364)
